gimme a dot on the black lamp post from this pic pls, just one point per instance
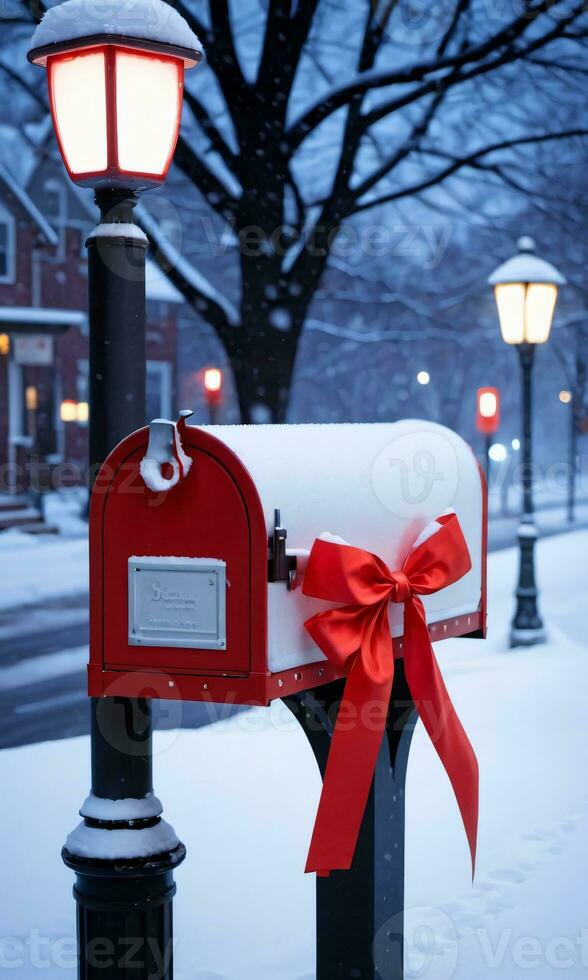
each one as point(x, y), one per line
point(526, 289)
point(116, 100)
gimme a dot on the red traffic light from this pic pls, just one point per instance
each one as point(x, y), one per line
point(213, 385)
point(488, 410)
point(213, 380)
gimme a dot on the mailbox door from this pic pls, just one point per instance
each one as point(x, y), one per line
point(213, 515)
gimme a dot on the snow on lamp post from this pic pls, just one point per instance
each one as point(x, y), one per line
point(115, 75)
point(526, 288)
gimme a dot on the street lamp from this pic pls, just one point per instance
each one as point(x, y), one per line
point(115, 74)
point(116, 98)
point(213, 386)
point(525, 288)
point(488, 420)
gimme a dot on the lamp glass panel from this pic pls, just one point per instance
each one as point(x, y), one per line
point(77, 84)
point(510, 300)
point(539, 310)
point(149, 103)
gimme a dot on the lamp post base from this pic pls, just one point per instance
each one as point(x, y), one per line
point(527, 626)
point(125, 915)
point(527, 637)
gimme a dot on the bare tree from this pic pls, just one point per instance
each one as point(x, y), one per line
point(312, 113)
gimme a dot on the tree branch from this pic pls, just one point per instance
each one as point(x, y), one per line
point(217, 140)
point(194, 287)
point(223, 202)
point(458, 163)
point(285, 37)
point(461, 7)
point(24, 85)
point(510, 55)
point(369, 81)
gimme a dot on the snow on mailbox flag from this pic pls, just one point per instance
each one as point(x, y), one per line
point(244, 563)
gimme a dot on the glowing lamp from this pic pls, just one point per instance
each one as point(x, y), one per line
point(498, 453)
point(213, 381)
point(31, 398)
point(68, 411)
point(488, 415)
point(525, 288)
point(83, 413)
point(115, 95)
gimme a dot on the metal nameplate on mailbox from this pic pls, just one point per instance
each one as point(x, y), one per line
point(177, 602)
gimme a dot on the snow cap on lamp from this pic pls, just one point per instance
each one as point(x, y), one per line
point(525, 289)
point(116, 79)
point(148, 24)
point(526, 266)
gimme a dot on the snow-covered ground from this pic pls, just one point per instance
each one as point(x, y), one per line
point(40, 569)
point(242, 795)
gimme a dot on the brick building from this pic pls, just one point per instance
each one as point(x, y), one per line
point(44, 328)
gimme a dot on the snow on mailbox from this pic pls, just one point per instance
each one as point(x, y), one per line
point(200, 539)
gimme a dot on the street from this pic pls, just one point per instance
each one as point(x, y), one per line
point(43, 677)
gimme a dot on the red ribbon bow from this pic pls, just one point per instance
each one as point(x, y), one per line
point(356, 638)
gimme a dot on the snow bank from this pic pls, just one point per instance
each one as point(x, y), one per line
point(242, 795)
point(149, 19)
point(49, 570)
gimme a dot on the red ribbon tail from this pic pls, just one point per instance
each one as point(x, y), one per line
point(440, 719)
point(360, 725)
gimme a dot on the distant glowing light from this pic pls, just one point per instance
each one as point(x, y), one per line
point(31, 398)
point(488, 404)
point(83, 412)
point(72, 411)
point(516, 445)
point(213, 380)
point(69, 411)
point(565, 397)
point(423, 377)
point(4, 344)
point(497, 452)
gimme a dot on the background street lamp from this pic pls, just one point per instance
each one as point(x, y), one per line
point(526, 290)
point(115, 74)
point(487, 420)
point(213, 389)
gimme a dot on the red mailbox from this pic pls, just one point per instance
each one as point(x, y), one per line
point(192, 568)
